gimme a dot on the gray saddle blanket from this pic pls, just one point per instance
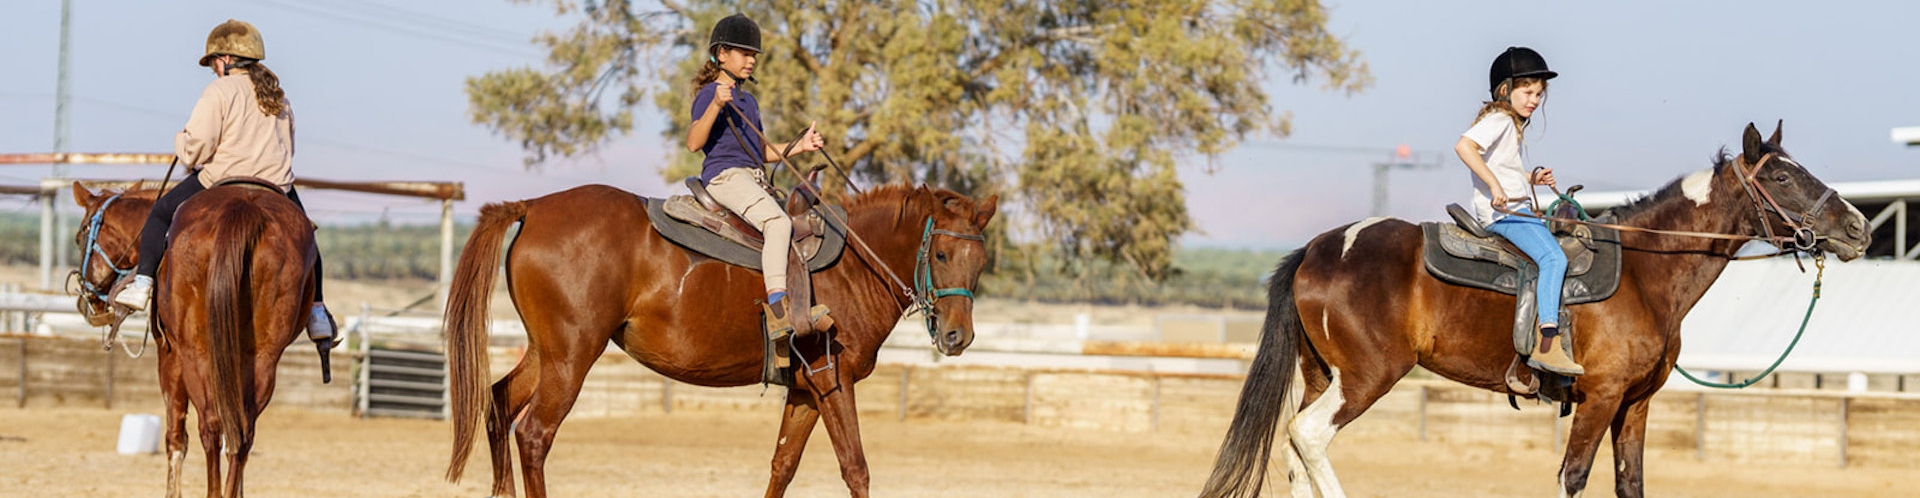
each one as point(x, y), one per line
point(821, 250)
point(1455, 256)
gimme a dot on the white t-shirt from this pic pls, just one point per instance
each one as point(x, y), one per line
point(1499, 143)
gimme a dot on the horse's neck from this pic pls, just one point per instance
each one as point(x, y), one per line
point(875, 289)
point(1673, 271)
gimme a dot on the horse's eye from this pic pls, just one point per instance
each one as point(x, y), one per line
point(1780, 177)
point(940, 256)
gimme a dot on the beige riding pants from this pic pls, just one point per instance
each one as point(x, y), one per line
point(740, 190)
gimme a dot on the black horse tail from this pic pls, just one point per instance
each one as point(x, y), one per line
point(1265, 400)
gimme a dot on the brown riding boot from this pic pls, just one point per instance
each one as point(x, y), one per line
point(1551, 357)
point(779, 331)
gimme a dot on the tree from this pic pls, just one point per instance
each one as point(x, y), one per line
point(1088, 107)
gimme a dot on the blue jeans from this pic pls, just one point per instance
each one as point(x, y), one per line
point(1532, 237)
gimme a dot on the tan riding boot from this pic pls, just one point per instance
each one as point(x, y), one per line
point(779, 331)
point(1551, 357)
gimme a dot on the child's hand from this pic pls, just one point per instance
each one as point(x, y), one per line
point(1499, 200)
point(809, 140)
point(723, 95)
point(1544, 176)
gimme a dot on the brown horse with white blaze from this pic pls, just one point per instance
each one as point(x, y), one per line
point(587, 268)
point(1354, 311)
point(234, 293)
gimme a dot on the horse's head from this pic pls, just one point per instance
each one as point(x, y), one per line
point(109, 240)
point(1794, 204)
point(947, 268)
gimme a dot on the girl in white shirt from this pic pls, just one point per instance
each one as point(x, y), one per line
point(1491, 149)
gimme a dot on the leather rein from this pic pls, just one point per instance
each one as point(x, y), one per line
point(1803, 238)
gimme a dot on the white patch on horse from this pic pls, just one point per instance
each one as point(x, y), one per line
point(1790, 160)
point(1300, 481)
point(1323, 326)
point(1312, 432)
point(1698, 186)
point(1353, 232)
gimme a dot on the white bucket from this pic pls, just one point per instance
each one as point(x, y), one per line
point(139, 434)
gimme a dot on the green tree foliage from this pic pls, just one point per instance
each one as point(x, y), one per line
point(1087, 108)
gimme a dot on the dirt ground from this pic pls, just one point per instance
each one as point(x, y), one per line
point(70, 453)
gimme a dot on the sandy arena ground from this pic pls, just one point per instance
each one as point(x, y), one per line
point(70, 453)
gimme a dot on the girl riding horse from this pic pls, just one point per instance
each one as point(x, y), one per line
point(242, 127)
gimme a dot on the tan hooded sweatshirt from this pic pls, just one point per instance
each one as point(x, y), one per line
point(228, 136)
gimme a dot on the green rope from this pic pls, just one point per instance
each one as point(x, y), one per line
point(1819, 261)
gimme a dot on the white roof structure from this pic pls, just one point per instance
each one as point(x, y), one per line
point(1867, 319)
point(1908, 135)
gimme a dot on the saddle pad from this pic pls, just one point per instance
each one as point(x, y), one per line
point(700, 240)
point(1456, 257)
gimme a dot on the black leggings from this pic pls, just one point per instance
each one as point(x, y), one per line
point(153, 236)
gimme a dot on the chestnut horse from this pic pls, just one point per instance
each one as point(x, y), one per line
point(588, 267)
point(234, 291)
point(1353, 311)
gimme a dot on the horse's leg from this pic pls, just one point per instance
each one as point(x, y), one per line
point(210, 442)
point(1590, 421)
point(1629, 442)
point(1299, 481)
point(557, 386)
point(510, 395)
point(1348, 395)
point(796, 424)
point(174, 395)
point(843, 428)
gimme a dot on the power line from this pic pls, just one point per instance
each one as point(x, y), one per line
point(403, 28)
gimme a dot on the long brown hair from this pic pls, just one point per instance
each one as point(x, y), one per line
point(266, 86)
point(1505, 105)
point(709, 71)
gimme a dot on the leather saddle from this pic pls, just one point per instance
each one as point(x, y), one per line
point(700, 224)
point(1465, 253)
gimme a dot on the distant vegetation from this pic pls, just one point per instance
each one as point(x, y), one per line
point(1202, 276)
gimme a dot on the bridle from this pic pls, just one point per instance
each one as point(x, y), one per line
point(924, 292)
point(1804, 238)
point(93, 248)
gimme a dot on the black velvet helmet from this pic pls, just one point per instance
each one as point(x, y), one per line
point(1517, 62)
point(735, 31)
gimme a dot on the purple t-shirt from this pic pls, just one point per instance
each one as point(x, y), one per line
point(722, 148)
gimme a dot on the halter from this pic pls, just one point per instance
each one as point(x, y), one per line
point(1804, 238)
point(924, 292)
point(93, 247)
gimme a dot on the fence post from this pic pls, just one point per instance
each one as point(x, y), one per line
point(1700, 426)
point(1844, 402)
point(1153, 423)
point(666, 395)
point(23, 371)
point(906, 374)
point(1423, 413)
point(1026, 411)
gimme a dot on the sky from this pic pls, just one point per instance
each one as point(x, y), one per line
point(1647, 91)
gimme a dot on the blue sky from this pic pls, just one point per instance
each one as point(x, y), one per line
point(1648, 90)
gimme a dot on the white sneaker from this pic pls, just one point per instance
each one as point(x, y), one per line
point(320, 325)
point(137, 294)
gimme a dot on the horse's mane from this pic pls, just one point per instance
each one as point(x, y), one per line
point(905, 198)
point(1721, 160)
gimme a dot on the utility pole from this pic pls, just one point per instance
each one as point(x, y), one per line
point(61, 97)
point(1402, 159)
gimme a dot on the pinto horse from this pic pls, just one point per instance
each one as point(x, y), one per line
point(234, 292)
point(587, 268)
point(1352, 312)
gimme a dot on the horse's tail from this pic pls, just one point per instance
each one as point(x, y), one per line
point(1265, 400)
point(236, 231)
point(466, 326)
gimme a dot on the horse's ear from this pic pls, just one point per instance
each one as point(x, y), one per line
point(1775, 139)
point(984, 209)
point(1750, 144)
point(81, 195)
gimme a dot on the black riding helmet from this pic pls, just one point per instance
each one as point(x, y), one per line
point(735, 31)
point(1516, 62)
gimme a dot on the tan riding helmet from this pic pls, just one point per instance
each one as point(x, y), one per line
point(235, 38)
